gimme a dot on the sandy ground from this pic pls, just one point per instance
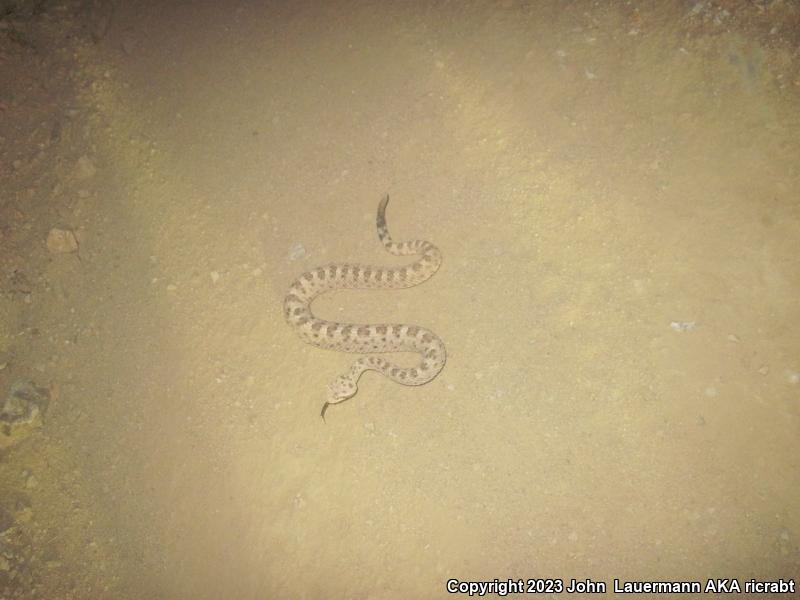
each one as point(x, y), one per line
point(614, 189)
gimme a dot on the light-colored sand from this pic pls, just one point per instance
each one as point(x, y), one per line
point(616, 197)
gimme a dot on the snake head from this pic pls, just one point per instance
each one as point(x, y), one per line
point(341, 388)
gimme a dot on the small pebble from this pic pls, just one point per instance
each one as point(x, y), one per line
point(61, 241)
point(682, 325)
point(297, 251)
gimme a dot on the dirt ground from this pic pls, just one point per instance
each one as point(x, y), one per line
point(614, 187)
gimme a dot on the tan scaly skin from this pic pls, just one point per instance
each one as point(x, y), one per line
point(372, 338)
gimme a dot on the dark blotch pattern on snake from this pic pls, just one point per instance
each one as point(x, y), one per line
point(350, 337)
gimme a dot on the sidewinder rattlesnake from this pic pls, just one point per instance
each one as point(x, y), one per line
point(349, 337)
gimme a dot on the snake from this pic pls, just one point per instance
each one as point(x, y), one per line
point(369, 338)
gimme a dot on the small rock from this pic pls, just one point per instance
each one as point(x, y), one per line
point(22, 412)
point(732, 337)
point(763, 370)
point(297, 251)
point(84, 168)
point(61, 241)
point(214, 276)
point(697, 8)
point(682, 325)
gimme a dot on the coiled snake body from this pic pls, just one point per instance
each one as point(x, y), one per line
point(377, 338)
